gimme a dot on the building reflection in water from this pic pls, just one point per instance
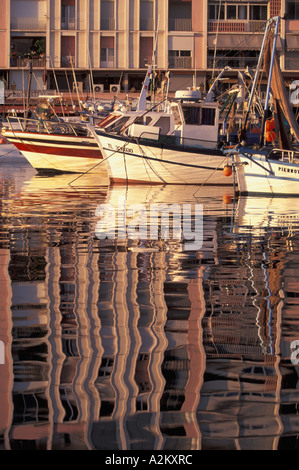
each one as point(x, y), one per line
point(126, 346)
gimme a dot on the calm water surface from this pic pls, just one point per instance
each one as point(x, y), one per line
point(123, 344)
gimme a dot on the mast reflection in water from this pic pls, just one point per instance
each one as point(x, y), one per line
point(127, 344)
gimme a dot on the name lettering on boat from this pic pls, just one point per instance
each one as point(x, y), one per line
point(288, 170)
point(117, 148)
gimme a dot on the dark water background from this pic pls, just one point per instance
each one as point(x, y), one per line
point(129, 345)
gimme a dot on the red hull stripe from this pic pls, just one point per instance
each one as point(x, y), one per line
point(59, 151)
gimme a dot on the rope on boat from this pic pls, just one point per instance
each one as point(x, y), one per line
point(103, 160)
point(215, 169)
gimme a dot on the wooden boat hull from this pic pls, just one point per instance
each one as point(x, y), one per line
point(58, 152)
point(148, 163)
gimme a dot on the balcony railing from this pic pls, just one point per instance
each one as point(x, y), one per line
point(108, 24)
point(28, 24)
point(180, 62)
point(68, 24)
point(233, 62)
point(25, 62)
point(146, 24)
point(180, 24)
point(107, 64)
point(67, 61)
point(240, 26)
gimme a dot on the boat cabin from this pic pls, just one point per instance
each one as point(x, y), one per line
point(187, 123)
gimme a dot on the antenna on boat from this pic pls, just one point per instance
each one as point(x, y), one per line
point(150, 71)
point(29, 89)
point(76, 83)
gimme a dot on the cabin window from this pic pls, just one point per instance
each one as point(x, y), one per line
point(191, 114)
point(195, 115)
point(116, 126)
point(164, 124)
point(145, 121)
point(208, 116)
point(176, 115)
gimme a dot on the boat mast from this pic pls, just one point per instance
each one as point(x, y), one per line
point(150, 74)
point(253, 89)
point(269, 81)
point(29, 89)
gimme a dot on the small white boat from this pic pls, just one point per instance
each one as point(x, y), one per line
point(274, 172)
point(55, 147)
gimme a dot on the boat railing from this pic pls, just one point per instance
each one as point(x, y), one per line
point(283, 155)
point(45, 126)
point(172, 139)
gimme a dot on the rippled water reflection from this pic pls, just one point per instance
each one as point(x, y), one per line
point(127, 344)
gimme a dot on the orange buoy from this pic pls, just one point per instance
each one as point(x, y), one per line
point(227, 170)
point(270, 136)
point(2, 140)
point(269, 125)
point(227, 199)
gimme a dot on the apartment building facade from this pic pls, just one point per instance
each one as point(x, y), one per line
point(106, 44)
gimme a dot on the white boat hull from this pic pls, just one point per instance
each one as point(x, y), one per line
point(129, 161)
point(256, 174)
point(59, 153)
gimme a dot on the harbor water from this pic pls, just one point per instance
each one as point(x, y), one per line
point(117, 335)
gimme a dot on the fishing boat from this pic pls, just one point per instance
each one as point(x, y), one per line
point(269, 169)
point(55, 146)
point(170, 142)
point(178, 145)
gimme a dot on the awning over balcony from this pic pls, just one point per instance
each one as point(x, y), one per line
point(292, 42)
point(237, 41)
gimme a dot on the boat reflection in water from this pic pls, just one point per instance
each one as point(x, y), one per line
point(133, 345)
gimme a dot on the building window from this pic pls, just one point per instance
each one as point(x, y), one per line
point(232, 58)
point(179, 59)
point(231, 12)
point(107, 15)
point(146, 15)
point(107, 52)
point(215, 13)
point(146, 51)
point(258, 12)
point(180, 15)
point(68, 14)
point(292, 10)
point(242, 12)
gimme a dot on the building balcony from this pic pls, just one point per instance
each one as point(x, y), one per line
point(69, 24)
point(107, 24)
point(180, 62)
point(107, 64)
point(67, 61)
point(28, 24)
point(147, 24)
point(180, 24)
point(242, 26)
point(232, 62)
point(24, 62)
